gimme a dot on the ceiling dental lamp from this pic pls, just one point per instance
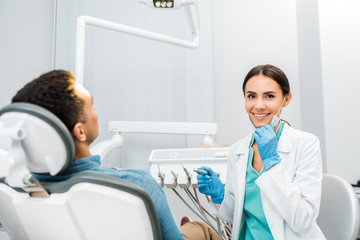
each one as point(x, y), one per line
point(168, 3)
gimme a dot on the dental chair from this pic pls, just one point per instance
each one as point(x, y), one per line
point(86, 206)
point(339, 209)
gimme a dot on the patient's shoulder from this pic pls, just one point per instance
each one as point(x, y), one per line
point(141, 177)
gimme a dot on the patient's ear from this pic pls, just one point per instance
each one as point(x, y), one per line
point(78, 132)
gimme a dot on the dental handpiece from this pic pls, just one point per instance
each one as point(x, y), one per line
point(160, 174)
point(200, 171)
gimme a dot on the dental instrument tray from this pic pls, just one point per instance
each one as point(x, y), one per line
point(186, 155)
point(174, 167)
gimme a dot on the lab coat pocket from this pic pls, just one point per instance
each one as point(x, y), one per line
point(289, 165)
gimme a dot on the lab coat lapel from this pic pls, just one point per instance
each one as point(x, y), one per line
point(274, 219)
point(286, 140)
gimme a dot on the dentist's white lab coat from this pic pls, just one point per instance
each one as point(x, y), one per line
point(290, 190)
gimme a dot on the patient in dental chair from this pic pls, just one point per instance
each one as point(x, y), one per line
point(58, 92)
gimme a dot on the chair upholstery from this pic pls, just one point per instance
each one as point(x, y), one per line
point(86, 206)
point(339, 209)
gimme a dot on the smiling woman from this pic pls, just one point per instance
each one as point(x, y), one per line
point(273, 185)
point(266, 90)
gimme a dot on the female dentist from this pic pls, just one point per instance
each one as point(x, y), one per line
point(274, 175)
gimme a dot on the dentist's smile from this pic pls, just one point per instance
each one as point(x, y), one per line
point(260, 116)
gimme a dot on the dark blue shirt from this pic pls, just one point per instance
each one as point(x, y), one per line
point(143, 178)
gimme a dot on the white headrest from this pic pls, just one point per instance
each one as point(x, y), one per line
point(47, 144)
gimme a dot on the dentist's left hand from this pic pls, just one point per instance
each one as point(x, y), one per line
point(266, 141)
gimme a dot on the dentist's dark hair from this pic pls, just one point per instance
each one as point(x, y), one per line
point(272, 72)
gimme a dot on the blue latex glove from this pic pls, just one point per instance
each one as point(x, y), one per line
point(266, 141)
point(210, 184)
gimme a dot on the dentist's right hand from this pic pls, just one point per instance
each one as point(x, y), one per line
point(210, 184)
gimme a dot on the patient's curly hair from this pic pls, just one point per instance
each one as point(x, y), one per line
point(55, 91)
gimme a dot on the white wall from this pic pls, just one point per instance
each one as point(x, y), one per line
point(316, 43)
point(136, 79)
point(247, 34)
point(340, 53)
point(310, 72)
point(26, 33)
point(26, 38)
